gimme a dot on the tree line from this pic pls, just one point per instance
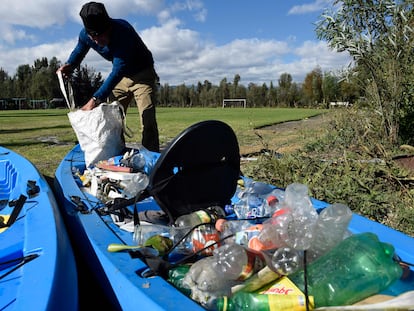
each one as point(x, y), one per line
point(39, 81)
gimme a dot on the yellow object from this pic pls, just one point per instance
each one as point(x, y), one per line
point(5, 219)
point(282, 286)
point(114, 247)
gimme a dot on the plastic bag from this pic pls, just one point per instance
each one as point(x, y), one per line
point(100, 131)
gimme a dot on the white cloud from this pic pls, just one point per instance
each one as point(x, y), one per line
point(315, 6)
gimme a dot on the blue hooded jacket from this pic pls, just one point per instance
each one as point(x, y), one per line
point(126, 50)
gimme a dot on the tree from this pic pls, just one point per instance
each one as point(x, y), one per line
point(236, 81)
point(5, 84)
point(85, 81)
point(285, 89)
point(272, 95)
point(378, 34)
point(330, 89)
point(312, 87)
point(224, 89)
point(23, 79)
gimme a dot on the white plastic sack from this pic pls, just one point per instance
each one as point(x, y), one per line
point(99, 131)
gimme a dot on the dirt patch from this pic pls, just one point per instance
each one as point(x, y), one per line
point(290, 136)
point(406, 161)
point(285, 137)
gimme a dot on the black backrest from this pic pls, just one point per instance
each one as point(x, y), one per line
point(198, 169)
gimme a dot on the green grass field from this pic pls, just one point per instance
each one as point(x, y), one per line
point(45, 136)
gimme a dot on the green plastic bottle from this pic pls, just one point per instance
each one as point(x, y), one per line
point(262, 302)
point(358, 267)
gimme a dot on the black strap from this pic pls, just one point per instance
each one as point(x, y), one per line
point(18, 205)
point(22, 261)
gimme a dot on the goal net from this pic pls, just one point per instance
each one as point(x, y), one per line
point(234, 102)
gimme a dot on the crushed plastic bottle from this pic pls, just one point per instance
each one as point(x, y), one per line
point(298, 233)
point(257, 200)
point(213, 276)
point(274, 230)
point(330, 229)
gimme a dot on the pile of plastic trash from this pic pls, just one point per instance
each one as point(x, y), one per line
point(253, 253)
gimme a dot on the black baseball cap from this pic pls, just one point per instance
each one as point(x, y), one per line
point(95, 18)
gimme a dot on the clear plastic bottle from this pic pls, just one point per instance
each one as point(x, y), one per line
point(257, 187)
point(204, 236)
point(209, 215)
point(356, 268)
point(274, 230)
point(261, 302)
point(286, 260)
point(257, 199)
point(299, 231)
point(330, 229)
point(132, 187)
point(240, 230)
point(215, 275)
point(250, 206)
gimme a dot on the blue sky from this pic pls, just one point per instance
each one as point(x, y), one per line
point(191, 40)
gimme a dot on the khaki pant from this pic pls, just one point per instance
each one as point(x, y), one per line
point(141, 87)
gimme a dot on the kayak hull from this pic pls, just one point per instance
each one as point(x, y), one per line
point(37, 265)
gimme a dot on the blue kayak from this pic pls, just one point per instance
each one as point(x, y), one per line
point(37, 265)
point(181, 179)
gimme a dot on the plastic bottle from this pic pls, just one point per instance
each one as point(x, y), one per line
point(250, 206)
point(214, 276)
point(286, 260)
point(292, 223)
point(137, 162)
point(176, 276)
point(144, 232)
point(261, 302)
point(274, 230)
point(239, 231)
point(258, 199)
point(138, 182)
point(209, 215)
point(358, 267)
point(330, 229)
point(204, 236)
point(299, 230)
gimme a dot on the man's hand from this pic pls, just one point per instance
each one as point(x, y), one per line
point(89, 105)
point(66, 70)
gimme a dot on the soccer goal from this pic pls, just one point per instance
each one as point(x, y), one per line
point(234, 102)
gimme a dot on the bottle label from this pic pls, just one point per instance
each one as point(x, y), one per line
point(243, 237)
point(255, 262)
point(205, 236)
point(289, 302)
point(203, 216)
point(283, 286)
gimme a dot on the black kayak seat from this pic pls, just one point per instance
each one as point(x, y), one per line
point(198, 169)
